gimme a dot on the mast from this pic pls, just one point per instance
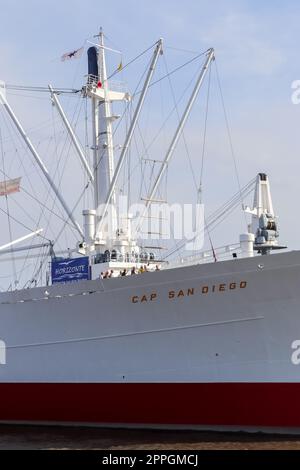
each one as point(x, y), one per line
point(104, 168)
point(103, 147)
point(95, 125)
point(108, 230)
point(113, 182)
point(103, 143)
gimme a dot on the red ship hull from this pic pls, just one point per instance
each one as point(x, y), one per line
point(241, 405)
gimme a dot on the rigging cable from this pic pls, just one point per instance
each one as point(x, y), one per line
point(12, 133)
point(200, 188)
point(176, 109)
point(176, 70)
point(132, 61)
point(204, 138)
point(170, 115)
point(221, 213)
point(61, 90)
point(67, 151)
point(8, 219)
point(128, 106)
point(178, 116)
point(230, 140)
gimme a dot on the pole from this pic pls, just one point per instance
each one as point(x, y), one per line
point(19, 240)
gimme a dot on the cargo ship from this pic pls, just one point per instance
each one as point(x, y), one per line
point(118, 336)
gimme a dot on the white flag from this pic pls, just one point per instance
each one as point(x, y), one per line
point(72, 55)
point(10, 186)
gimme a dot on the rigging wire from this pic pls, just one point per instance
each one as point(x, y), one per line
point(9, 127)
point(175, 108)
point(8, 220)
point(12, 133)
point(217, 217)
point(132, 61)
point(22, 224)
point(39, 220)
point(182, 50)
point(54, 200)
point(162, 127)
point(67, 155)
point(66, 90)
point(182, 133)
point(33, 197)
point(230, 139)
point(18, 272)
point(74, 208)
point(168, 75)
point(72, 91)
point(11, 239)
point(38, 270)
point(23, 88)
point(127, 107)
point(204, 138)
point(176, 70)
point(61, 90)
point(66, 149)
point(36, 200)
point(200, 188)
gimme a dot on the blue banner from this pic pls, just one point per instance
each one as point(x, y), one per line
point(70, 270)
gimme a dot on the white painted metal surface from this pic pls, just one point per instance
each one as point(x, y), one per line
point(241, 330)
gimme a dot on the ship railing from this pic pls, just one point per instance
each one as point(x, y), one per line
point(114, 85)
point(92, 80)
point(110, 257)
point(209, 256)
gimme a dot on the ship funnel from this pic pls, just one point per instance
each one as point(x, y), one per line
point(93, 70)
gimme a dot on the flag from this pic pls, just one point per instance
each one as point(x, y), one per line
point(120, 66)
point(10, 186)
point(72, 55)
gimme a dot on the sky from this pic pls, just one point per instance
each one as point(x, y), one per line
point(257, 51)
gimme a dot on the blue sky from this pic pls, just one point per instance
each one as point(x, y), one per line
point(257, 49)
point(253, 39)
